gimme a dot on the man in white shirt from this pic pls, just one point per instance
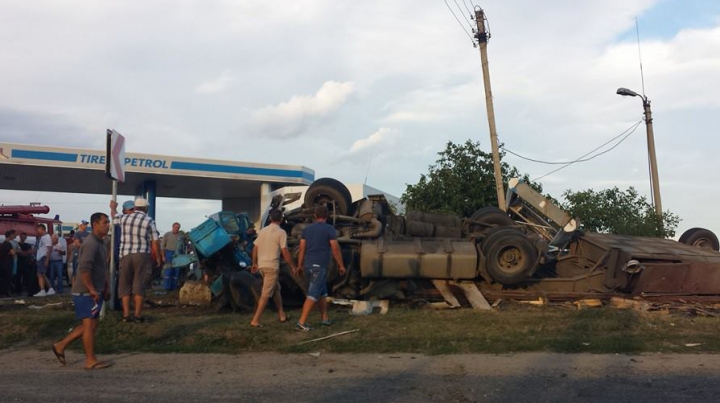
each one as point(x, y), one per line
point(57, 253)
point(44, 247)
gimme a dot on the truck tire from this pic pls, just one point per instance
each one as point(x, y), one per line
point(326, 190)
point(700, 237)
point(488, 217)
point(245, 290)
point(493, 234)
point(510, 256)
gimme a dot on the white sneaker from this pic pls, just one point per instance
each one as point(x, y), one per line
point(40, 294)
point(51, 291)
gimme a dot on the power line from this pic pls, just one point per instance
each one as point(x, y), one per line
point(462, 12)
point(461, 24)
point(582, 158)
point(597, 155)
point(466, 8)
point(633, 127)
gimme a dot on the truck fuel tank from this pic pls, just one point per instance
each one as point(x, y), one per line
point(418, 258)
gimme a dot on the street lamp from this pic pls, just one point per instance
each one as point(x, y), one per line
point(654, 182)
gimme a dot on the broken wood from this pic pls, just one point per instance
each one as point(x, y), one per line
point(541, 301)
point(588, 303)
point(624, 303)
point(473, 295)
point(442, 286)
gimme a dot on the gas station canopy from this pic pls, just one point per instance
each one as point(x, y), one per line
point(56, 169)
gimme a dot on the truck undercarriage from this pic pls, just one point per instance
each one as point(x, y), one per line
point(533, 249)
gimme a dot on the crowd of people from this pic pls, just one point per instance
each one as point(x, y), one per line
point(41, 268)
point(38, 269)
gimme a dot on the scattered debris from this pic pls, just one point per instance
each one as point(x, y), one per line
point(693, 344)
point(541, 301)
point(446, 292)
point(56, 304)
point(473, 294)
point(340, 301)
point(194, 293)
point(314, 354)
point(440, 305)
point(366, 307)
point(19, 302)
point(588, 303)
point(362, 307)
point(327, 337)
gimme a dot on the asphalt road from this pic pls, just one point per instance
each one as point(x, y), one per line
point(34, 376)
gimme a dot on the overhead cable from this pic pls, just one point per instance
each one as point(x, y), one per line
point(461, 24)
point(580, 159)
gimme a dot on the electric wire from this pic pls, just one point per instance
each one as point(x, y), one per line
point(633, 127)
point(595, 156)
point(466, 8)
point(461, 24)
point(460, 10)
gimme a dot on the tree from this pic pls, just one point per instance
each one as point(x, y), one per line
point(619, 212)
point(461, 181)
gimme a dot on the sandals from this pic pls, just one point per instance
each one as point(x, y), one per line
point(98, 365)
point(60, 356)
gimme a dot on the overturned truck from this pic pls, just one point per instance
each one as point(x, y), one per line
point(534, 248)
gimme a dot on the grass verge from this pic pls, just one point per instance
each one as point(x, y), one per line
point(513, 328)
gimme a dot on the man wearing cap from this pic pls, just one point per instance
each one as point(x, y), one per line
point(138, 237)
point(82, 231)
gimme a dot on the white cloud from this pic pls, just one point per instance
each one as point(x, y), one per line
point(382, 137)
point(290, 118)
point(402, 66)
point(216, 85)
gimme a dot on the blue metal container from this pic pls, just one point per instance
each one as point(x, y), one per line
point(208, 237)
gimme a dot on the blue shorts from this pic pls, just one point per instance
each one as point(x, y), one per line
point(318, 281)
point(86, 308)
point(41, 266)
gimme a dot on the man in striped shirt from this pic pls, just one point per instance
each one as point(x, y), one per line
point(138, 238)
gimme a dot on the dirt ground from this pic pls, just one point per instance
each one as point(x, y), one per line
point(33, 376)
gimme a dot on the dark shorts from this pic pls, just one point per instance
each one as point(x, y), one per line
point(41, 266)
point(135, 274)
point(86, 308)
point(317, 275)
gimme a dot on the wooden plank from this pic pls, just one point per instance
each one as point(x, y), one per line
point(473, 294)
point(588, 303)
point(442, 286)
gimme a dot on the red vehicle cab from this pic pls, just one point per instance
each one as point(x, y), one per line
point(21, 219)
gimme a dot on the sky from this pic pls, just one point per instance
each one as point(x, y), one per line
point(369, 91)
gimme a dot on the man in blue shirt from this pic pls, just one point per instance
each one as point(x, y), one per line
point(319, 240)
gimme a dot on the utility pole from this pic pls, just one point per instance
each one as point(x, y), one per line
point(654, 181)
point(482, 37)
point(651, 156)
